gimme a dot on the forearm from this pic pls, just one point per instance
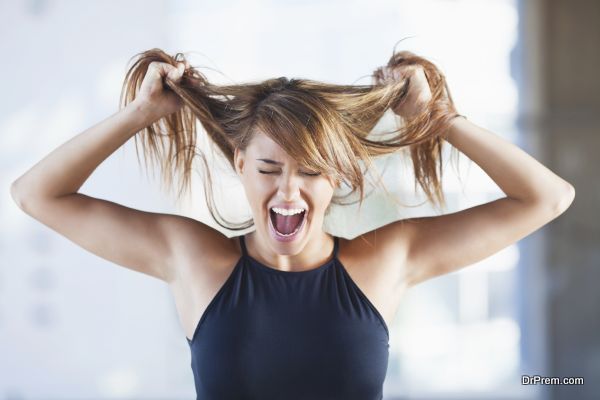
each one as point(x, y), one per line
point(66, 168)
point(519, 175)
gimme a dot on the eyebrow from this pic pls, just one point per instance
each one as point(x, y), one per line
point(270, 161)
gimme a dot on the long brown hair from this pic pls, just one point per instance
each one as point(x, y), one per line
point(325, 127)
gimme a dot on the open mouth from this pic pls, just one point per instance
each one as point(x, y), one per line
point(287, 225)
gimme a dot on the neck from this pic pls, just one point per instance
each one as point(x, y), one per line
point(317, 251)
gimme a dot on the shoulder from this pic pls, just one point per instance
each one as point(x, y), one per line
point(388, 241)
point(200, 248)
point(381, 251)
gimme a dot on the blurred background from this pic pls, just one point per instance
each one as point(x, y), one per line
point(74, 326)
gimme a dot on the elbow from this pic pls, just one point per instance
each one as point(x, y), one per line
point(27, 199)
point(18, 196)
point(563, 202)
point(14, 193)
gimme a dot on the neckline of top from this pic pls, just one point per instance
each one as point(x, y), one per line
point(267, 268)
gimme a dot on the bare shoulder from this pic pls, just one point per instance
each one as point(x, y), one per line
point(205, 258)
point(377, 262)
point(378, 254)
point(200, 249)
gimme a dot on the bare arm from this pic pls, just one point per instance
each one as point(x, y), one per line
point(142, 241)
point(65, 169)
point(48, 193)
point(534, 196)
point(520, 176)
point(422, 248)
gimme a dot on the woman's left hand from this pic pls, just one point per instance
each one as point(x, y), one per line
point(419, 92)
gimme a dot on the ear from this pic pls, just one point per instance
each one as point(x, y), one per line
point(238, 161)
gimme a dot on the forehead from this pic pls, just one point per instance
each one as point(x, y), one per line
point(259, 139)
point(262, 145)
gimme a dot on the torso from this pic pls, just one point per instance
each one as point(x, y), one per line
point(375, 273)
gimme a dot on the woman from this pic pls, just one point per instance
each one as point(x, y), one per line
point(288, 310)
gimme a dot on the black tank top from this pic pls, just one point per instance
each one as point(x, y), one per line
point(271, 334)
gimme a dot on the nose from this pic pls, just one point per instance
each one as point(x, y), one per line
point(289, 187)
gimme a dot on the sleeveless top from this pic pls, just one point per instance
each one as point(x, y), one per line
point(271, 334)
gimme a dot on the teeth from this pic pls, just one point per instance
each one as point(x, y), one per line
point(284, 211)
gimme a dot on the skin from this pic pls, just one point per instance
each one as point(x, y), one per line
point(195, 259)
point(286, 183)
point(418, 94)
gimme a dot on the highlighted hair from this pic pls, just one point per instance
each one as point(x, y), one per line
point(325, 127)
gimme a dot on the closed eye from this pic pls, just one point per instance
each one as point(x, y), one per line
point(304, 173)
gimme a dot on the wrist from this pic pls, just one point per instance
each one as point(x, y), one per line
point(145, 112)
point(453, 124)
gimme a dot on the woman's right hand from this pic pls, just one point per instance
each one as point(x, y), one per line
point(154, 96)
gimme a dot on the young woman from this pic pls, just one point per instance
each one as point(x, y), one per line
point(288, 310)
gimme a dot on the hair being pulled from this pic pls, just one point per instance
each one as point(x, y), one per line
point(325, 127)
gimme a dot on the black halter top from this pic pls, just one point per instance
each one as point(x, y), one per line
point(272, 334)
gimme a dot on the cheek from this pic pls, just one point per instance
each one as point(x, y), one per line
point(257, 192)
point(323, 193)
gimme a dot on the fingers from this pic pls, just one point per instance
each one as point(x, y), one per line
point(380, 76)
point(175, 73)
point(387, 75)
point(167, 70)
point(401, 72)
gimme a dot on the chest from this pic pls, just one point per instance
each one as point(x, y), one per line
point(373, 281)
point(334, 355)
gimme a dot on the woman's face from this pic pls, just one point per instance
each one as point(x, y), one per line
point(271, 178)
